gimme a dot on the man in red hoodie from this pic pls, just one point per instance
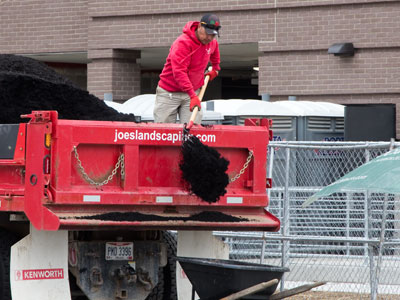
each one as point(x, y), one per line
point(183, 73)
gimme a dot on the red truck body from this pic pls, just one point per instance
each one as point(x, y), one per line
point(46, 182)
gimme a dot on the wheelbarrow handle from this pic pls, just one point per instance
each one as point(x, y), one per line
point(251, 290)
point(295, 291)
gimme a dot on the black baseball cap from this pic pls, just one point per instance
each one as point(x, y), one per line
point(211, 23)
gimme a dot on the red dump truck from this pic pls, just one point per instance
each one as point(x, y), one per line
point(86, 207)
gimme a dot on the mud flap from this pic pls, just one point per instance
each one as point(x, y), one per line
point(39, 266)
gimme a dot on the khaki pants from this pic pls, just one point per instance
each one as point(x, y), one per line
point(170, 104)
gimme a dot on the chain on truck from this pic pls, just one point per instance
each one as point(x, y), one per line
point(87, 214)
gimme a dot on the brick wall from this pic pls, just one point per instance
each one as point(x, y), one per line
point(114, 71)
point(102, 8)
point(296, 62)
point(373, 25)
point(298, 3)
point(162, 30)
point(318, 73)
point(28, 26)
point(54, 26)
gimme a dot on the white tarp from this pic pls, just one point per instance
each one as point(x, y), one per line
point(251, 107)
point(143, 106)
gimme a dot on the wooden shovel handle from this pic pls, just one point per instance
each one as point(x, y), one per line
point(201, 94)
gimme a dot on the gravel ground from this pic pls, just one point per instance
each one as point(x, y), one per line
point(339, 296)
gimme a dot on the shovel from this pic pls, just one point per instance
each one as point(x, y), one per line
point(196, 109)
point(203, 168)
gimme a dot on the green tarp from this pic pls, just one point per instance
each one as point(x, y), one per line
point(380, 175)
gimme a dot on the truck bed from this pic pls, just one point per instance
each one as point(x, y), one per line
point(77, 182)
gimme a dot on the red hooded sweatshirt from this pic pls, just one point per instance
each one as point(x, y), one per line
point(187, 61)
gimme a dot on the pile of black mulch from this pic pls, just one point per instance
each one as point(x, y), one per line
point(206, 216)
point(28, 66)
point(203, 169)
point(27, 85)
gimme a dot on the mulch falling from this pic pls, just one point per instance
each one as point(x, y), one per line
point(203, 169)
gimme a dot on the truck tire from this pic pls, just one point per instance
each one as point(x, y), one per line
point(166, 287)
point(170, 292)
point(6, 241)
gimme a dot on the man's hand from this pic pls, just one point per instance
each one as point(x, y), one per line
point(212, 74)
point(194, 101)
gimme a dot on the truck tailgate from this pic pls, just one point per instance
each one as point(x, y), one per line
point(96, 169)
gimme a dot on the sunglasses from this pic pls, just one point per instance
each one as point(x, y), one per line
point(210, 26)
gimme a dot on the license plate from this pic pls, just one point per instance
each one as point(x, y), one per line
point(119, 251)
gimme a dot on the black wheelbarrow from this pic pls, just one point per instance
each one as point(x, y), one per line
point(218, 279)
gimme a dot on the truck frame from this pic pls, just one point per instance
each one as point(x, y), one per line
point(92, 203)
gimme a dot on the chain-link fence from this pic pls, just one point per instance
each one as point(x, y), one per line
point(351, 241)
